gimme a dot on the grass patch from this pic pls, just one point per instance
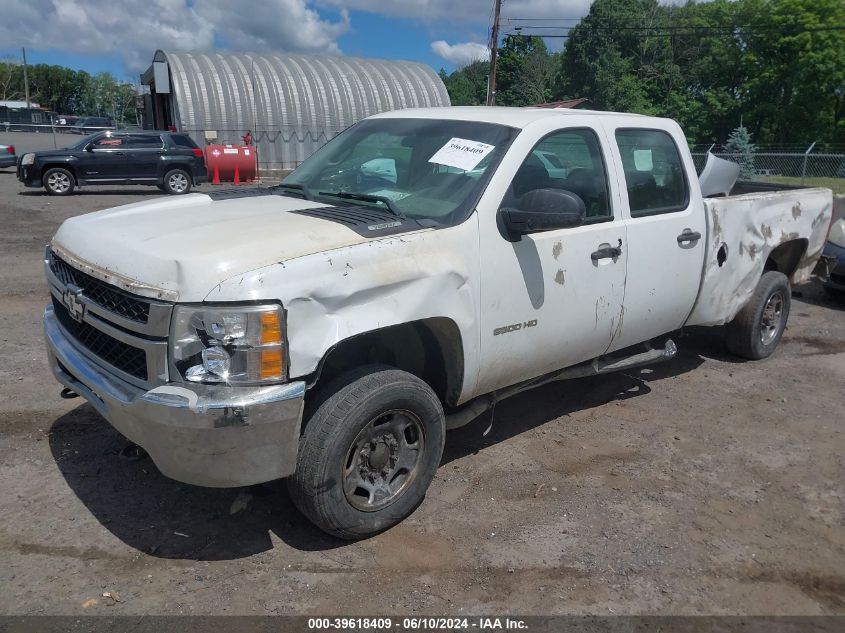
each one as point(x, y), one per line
point(837, 184)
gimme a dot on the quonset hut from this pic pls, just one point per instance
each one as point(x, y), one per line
point(292, 104)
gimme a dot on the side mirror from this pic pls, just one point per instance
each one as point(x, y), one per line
point(89, 147)
point(544, 210)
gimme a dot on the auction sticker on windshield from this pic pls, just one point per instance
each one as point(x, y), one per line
point(461, 154)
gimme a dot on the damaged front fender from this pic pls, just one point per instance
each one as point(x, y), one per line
point(338, 294)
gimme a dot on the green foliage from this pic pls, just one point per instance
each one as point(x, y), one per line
point(467, 86)
point(739, 143)
point(710, 64)
point(525, 72)
point(66, 91)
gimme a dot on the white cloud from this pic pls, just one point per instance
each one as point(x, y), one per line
point(460, 54)
point(133, 30)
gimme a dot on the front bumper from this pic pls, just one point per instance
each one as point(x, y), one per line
point(206, 435)
point(29, 175)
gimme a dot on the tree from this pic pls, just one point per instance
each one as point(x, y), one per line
point(467, 85)
point(781, 63)
point(739, 143)
point(525, 72)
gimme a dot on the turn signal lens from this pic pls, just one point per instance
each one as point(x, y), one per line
point(271, 364)
point(271, 329)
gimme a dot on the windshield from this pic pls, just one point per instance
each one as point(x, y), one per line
point(419, 168)
point(85, 140)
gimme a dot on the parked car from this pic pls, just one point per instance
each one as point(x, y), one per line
point(330, 331)
point(89, 124)
point(834, 252)
point(171, 161)
point(7, 156)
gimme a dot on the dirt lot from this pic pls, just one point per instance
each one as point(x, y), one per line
point(704, 485)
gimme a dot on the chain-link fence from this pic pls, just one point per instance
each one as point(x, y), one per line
point(808, 168)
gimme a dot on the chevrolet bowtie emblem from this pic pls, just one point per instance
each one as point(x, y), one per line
point(72, 298)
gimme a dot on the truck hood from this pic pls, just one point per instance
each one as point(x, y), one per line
point(179, 248)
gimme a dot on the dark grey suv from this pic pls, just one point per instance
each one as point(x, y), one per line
point(169, 160)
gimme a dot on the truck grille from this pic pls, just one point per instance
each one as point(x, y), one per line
point(99, 292)
point(120, 355)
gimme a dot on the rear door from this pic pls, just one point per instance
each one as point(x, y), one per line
point(666, 230)
point(143, 155)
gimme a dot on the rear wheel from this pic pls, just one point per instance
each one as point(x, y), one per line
point(177, 182)
point(58, 181)
point(756, 331)
point(368, 453)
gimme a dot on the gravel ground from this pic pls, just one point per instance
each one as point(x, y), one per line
point(700, 486)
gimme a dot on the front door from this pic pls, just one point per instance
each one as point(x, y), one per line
point(552, 299)
point(666, 231)
point(107, 159)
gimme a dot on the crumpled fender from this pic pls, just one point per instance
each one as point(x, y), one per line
point(337, 294)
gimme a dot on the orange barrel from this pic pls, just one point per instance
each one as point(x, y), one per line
point(226, 157)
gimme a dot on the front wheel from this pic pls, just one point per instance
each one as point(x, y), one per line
point(177, 182)
point(58, 181)
point(756, 330)
point(368, 453)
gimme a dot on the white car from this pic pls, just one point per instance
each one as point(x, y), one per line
point(330, 330)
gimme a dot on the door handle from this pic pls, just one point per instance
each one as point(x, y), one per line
point(689, 236)
point(608, 252)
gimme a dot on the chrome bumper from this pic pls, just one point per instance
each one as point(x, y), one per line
point(206, 435)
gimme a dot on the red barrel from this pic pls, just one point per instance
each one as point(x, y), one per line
point(223, 160)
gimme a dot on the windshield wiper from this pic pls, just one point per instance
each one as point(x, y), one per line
point(302, 189)
point(366, 197)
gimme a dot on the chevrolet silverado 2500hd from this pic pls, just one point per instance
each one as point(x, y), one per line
point(414, 270)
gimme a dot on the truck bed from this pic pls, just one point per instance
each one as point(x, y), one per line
point(744, 229)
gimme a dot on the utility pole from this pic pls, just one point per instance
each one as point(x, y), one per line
point(25, 79)
point(494, 46)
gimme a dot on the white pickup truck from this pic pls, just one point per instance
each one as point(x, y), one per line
point(413, 271)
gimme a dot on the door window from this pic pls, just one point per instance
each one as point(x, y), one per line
point(570, 160)
point(143, 141)
point(109, 142)
point(654, 172)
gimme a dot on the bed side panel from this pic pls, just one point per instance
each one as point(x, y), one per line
point(747, 228)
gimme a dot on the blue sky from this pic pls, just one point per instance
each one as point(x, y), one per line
point(120, 36)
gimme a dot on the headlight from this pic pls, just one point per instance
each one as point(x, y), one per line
point(243, 344)
point(28, 159)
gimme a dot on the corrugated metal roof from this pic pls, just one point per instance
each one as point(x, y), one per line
point(292, 103)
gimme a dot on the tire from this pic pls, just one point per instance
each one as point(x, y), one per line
point(177, 182)
point(756, 330)
point(58, 181)
point(368, 453)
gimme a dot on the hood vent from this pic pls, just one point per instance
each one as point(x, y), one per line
point(242, 192)
point(365, 221)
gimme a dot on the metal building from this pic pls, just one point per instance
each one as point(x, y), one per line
point(292, 104)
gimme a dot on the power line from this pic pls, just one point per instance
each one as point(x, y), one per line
point(645, 32)
point(731, 27)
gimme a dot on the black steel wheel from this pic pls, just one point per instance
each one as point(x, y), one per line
point(757, 329)
point(368, 452)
